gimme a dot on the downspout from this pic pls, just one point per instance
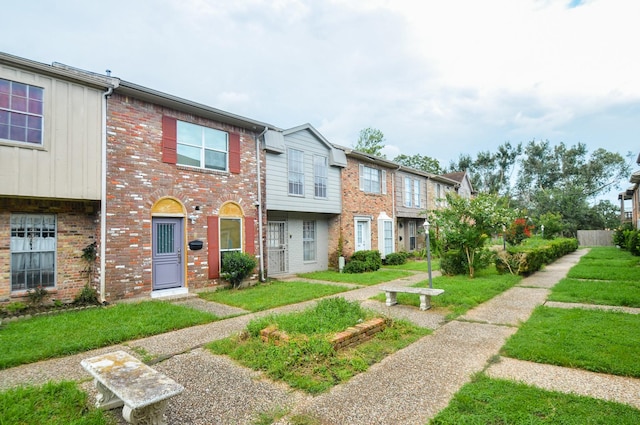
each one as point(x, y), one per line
point(258, 170)
point(103, 193)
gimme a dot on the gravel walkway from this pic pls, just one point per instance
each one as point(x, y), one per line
point(409, 387)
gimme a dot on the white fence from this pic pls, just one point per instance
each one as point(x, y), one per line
point(595, 237)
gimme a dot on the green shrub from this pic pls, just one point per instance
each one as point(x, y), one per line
point(633, 242)
point(454, 262)
point(620, 235)
point(37, 296)
point(88, 296)
point(529, 259)
point(15, 307)
point(236, 266)
point(396, 258)
point(355, 266)
point(370, 259)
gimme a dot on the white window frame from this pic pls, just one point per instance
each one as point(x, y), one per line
point(295, 179)
point(372, 180)
point(309, 241)
point(417, 202)
point(15, 108)
point(385, 235)
point(407, 192)
point(34, 237)
point(321, 176)
point(199, 144)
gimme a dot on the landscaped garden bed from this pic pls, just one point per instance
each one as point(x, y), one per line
point(306, 359)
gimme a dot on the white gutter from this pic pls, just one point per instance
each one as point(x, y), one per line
point(260, 230)
point(103, 194)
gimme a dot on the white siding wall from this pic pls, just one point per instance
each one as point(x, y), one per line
point(277, 178)
point(68, 164)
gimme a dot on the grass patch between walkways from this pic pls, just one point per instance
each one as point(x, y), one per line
point(416, 265)
point(615, 293)
point(607, 263)
point(598, 341)
point(497, 401)
point(461, 293)
point(307, 360)
point(51, 404)
point(271, 295)
point(368, 278)
point(43, 337)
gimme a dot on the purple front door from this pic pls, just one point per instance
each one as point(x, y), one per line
point(167, 253)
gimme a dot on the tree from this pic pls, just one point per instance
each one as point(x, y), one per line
point(467, 224)
point(371, 141)
point(490, 172)
point(419, 162)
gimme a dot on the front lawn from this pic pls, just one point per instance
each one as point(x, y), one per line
point(51, 404)
point(599, 341)
point(43, 337)
point(497, 401)
point(417, 265)
point(366, 279)
point(617, 293)
point(307, 360)
point(461, 293)
point(271, 295)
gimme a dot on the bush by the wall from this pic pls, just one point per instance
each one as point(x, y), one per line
point(355, 266)
point(236, 266)
point(371, 258)
point(396, 258)
point(454, 262)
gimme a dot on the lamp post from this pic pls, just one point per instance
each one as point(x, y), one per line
point(542, 228)
point(426, 232)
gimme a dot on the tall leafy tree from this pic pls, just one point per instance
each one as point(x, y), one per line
point(420, 162)
point(371, 141)
point(466, 224)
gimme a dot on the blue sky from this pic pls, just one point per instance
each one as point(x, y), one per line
point(438, 78)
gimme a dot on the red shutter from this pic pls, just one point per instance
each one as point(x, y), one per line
point(234, 153)
point(169, 140)
point(249, 235)
point(213, 244)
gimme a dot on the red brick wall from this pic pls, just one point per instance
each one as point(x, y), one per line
point(77, 224)
point(356, 202)
point(137, 178)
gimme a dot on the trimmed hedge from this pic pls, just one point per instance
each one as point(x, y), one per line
point(525, 261)
point(396, 258)
point(363, 261)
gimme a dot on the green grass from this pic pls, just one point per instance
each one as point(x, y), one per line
point(365, 279)
point(607, 263)
point(486, 401)
point(51, 404)
point(43, 337)
point(616, 293)
point(461, 293)
point(307, 361)
point(599, 341)
point(266, 296)
point(417, 265)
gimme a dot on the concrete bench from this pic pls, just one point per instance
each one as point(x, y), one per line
point(425, 294)
point(123, 380)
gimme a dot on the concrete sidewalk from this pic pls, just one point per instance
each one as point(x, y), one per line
point(408, 387)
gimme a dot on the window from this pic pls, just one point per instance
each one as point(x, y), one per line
point(408, 198)
point(320, 175)
point(387, 226)
point(21, 112)
point(416, 193)
point(309, 240)
point(202, 147)
point(230, 235)
point(296, 172)
point(412, 235)
point(372, 180)
point(33, 251)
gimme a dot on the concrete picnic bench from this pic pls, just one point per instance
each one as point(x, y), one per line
point(123, 380)
point(425, 294)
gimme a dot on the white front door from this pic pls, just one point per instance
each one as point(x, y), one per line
point(363, 234)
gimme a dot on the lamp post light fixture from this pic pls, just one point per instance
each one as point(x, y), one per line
point(428, 242)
